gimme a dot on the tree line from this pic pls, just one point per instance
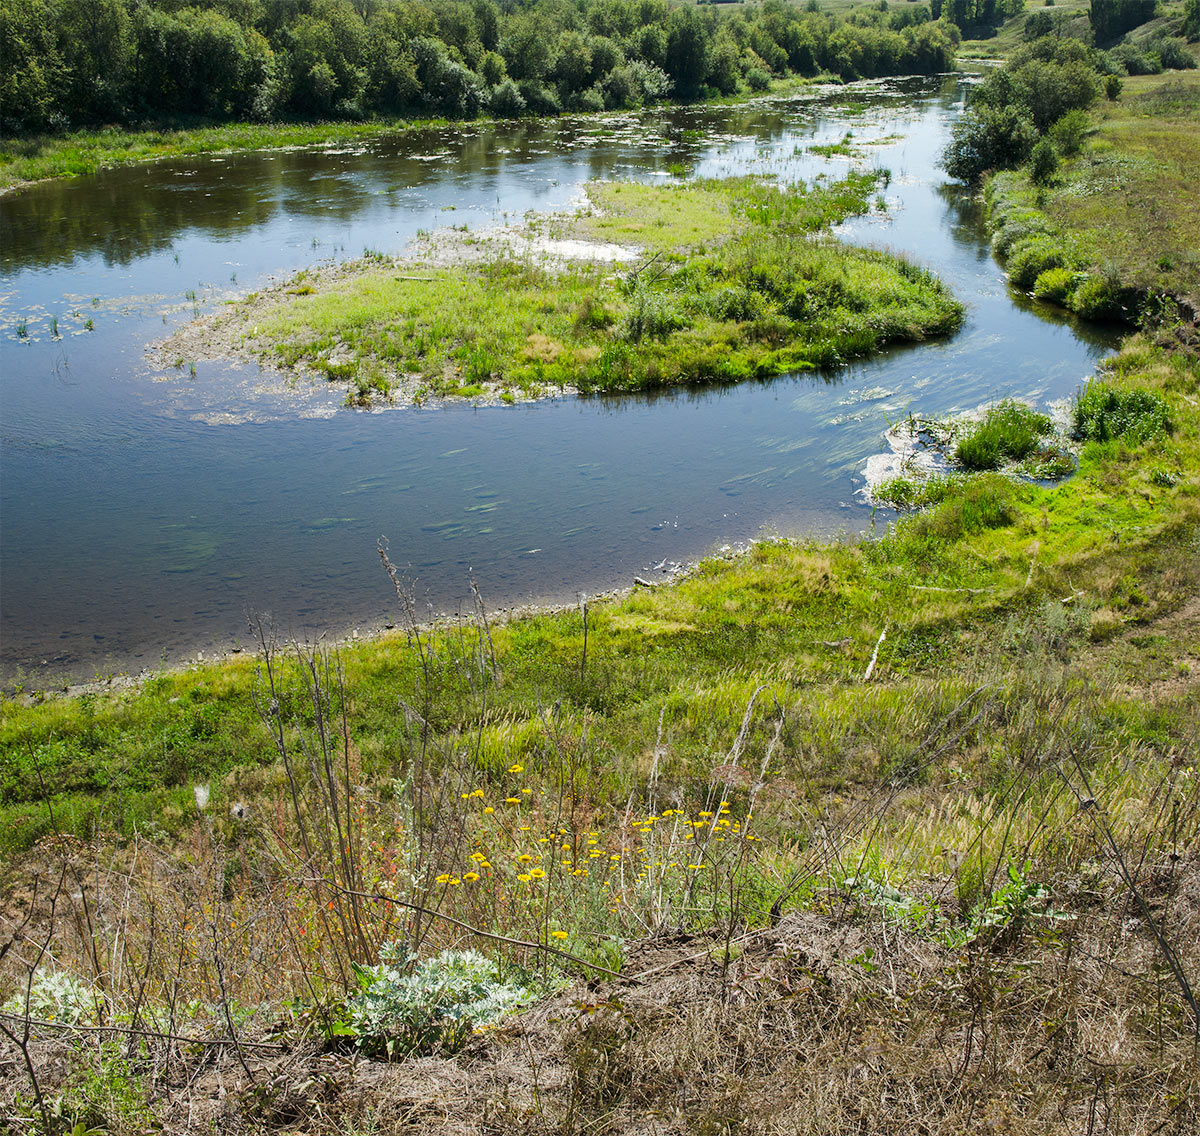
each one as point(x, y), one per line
point(66, 64)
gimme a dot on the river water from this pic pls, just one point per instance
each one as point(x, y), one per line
point(146, 513)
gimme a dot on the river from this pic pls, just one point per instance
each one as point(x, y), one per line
point(146, 514)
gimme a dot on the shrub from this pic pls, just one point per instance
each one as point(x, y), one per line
point(1096, 299)
point(1112, 87)
point(988, 138)
point(1134, 61)
point(1173, 54)
point(1031, 257)
point(651, 315)
point(506, 100)
point(757, 79)
point(1055, 285)
point(1191, 19)
point(1103, 412)
point(1010, 431)
point(1043, 162)
point(982, 502)
point(1069, 131)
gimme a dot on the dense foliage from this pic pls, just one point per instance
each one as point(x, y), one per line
point(1028, 111)
point(979, 16)
point(70, 63)
point(1113, 18)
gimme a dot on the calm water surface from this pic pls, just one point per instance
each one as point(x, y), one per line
point(145, 513)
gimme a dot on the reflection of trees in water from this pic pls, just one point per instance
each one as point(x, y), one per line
point(128, 213)
point(966, 220)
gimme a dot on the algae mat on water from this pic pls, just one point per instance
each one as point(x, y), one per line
point(732, 280)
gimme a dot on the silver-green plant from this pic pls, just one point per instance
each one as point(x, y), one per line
point(406, 1007)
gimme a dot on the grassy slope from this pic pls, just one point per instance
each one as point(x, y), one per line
point(1131, 197)
point(1117, 220)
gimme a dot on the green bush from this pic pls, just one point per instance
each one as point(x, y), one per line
point(1055, 285)
point(1097, 299)
point(1033, 256)
point(1043, 162)
point(757, 79)
point(1009, 431)
point(1069, 132)
point(506, 100)
point(988, 138)
point(1103, 413)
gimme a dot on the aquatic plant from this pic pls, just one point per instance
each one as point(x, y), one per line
point(1010, 431)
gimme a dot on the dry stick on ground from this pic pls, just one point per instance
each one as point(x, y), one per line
point(140, 1031)
point(22, 1042)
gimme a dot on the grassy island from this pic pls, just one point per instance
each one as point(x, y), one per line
point(725, 280)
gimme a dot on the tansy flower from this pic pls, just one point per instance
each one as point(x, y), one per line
point(559, 934)
point(444, 878)
point(471, 877)
point(516, 769)
point(524, 877)
point(489, 810)
point(512, 800)
point(525, 858)
point(537, 874)
point(477, 793)
point(478, 857)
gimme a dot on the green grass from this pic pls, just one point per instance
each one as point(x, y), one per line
point(737, 283)
point(28, 159)
point(1009, 432)
point(1113, 231)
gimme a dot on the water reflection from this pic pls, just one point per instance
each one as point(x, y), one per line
point(144, 513)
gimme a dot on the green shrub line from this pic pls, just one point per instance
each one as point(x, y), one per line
point(1050, 264)
point(234, 69)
